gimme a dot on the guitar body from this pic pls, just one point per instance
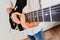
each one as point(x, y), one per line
point(20, 6)
point(13, 24)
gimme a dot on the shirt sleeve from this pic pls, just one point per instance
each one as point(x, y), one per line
point(9, 4)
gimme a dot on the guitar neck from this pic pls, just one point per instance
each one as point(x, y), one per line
point(44, 15)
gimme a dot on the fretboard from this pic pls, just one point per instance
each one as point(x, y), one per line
point(44, 15)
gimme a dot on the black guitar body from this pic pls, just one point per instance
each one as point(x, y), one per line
point(13, 24)
point(20, 5)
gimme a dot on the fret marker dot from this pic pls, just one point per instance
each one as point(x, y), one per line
point(46, 14)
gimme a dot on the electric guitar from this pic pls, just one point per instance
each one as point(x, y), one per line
point(49, 14)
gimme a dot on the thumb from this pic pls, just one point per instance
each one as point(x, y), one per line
point(23, 20)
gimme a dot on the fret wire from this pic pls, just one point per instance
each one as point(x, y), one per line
point(27, 17)
point(42, 15)
point(30, 17)
point(37, 17)
point(33, 17)
point(50, 14)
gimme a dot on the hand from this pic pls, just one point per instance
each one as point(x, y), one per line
point(15, 18)
point(9, 10)
point(27, 24)
point(23, 20)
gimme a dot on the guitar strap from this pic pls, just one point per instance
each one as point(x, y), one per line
point(20, 4)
